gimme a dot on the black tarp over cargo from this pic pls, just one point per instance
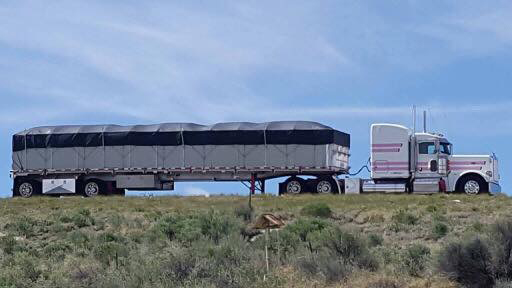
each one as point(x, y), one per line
point(176, 134)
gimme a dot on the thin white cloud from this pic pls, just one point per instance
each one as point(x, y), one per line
point(195, 191)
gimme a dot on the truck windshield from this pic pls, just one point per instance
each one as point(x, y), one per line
point(445, 148)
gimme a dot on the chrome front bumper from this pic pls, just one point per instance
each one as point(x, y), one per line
point(494, 188)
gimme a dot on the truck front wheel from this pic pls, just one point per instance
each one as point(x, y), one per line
point(472, 185)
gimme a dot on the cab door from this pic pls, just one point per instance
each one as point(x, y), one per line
point(428, 160)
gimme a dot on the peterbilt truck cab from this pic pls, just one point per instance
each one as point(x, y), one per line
point(405, 161)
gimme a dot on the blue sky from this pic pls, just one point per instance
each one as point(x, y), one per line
point(343, 63)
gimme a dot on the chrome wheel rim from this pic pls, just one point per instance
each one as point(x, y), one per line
point(324, 187)
point(472, 187)
point(293, 187)
point(92, 189)
point(26, 189)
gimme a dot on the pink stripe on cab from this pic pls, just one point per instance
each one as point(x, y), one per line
point(385, 150)
point(466, 162)
point(389, 145)
point(459, 168)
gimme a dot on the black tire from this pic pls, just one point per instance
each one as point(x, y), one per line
point(472, 185)
point(26, 188)
point(326, 185)
point(93, 188)
point(294, 185)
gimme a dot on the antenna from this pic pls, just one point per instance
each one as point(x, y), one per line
point(424, 121)
point(414, 119)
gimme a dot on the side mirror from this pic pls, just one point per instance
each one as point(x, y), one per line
point(433, 166)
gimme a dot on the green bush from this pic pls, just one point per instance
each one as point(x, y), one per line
point(501, 248)
point(81, 218)
point(57, 250)
point(468, 263)
point(384, 283)
point(347, 247)
point(375, 240)
point(415, 259)
point(405, 218)
point(329, 267)
point(432, 208)
point(305, 226)
point(110, 252)
point(320, 210)
point(244, 212)
point(78, 238)
point(187, 229)
point(9, 245)
point(23, 226)
point(439, 230)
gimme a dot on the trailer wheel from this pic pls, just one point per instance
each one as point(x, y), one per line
point(472, 185)
point(325, 186)
point(294, 185)
point(25, 189)
point(92, 188)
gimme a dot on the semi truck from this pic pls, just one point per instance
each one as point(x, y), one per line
point(96, 160)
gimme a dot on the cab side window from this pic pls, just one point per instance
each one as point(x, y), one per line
point(427, 148)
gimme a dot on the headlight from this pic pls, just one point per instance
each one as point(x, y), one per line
point(489, 173)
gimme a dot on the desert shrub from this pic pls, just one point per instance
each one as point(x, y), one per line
point(116, 220)
point(432, 208)
point(110, 252)
point(9, 245)
point(320, 210)
point(477, 226)
point(439, 230)
point(329, 267)
point(282, 243)
point(23, 226)
point(501, 248)
point(384, 283)
point(347, 247)
point(387, 255)
point(78, 238)
point(503, 284)
point(111, 237)
point(375, 218)
point(244, 212)
point(397, 227)
point(333, 270)
point(57, 250)
point(181, 228)
point(305, 226)
point(404, 217)
point(228, 264)
point(415, 258)
point(82, 218)
point(468, 263)
point(215, 225)
point(65, 219)
point(375, 240)
point(23, 270)
point(438, 217)
point(187, 229)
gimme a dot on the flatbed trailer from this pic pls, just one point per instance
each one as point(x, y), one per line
point(108, 159)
